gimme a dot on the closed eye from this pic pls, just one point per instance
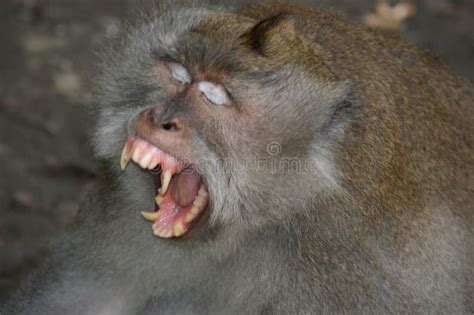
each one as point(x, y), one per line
point(180, 74)
point(214, 93)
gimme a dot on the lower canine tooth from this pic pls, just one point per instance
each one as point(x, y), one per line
point(165, 182)
point(150, 216)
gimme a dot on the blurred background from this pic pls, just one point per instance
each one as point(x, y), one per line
point(47, 60)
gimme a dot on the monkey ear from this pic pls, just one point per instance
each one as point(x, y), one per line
point(271, 35)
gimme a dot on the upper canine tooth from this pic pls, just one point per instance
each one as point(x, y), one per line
point(165, 182)
point(125, 157)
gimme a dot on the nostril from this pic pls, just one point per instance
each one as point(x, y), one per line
point(169, 126)
point(159, 119)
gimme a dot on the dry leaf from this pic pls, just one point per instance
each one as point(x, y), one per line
point(390, 17)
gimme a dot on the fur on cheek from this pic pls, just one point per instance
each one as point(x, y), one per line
point(112, 132)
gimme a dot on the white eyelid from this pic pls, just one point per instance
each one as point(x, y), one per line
point(179, 73)
point(216, 94)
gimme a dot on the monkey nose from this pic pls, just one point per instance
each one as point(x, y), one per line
point(160, 119)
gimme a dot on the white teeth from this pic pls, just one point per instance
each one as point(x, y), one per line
point(165, 182)
point(147, 156)
point(198, 201)
point(150, 216)
point(178, 229)
point(136, 155)
point(158, 199)
point(154, 163)
point(203, 191)
point(189, 217)
point(145, 161)
point(163, 233)
point(195, 210)
point(196, 206)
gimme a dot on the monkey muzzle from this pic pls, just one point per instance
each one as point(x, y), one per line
point(181, 195)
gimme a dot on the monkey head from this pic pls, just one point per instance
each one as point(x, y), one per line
point(228, 120)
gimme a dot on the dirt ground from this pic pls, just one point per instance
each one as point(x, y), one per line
point(47, 59)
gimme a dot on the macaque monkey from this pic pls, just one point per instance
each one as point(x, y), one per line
point(289, 162)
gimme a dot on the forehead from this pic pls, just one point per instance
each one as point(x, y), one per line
point(215, 43)
point(205, 41)
point(225, 28)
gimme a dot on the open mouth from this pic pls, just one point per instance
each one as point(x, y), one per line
point(181, 195)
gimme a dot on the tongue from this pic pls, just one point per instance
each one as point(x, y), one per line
point(184, 187)
point(176, 206)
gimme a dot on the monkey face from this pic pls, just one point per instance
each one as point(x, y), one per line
point(216, 110)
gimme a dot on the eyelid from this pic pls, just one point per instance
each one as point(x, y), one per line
point(216, 94)
point(180, 73)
